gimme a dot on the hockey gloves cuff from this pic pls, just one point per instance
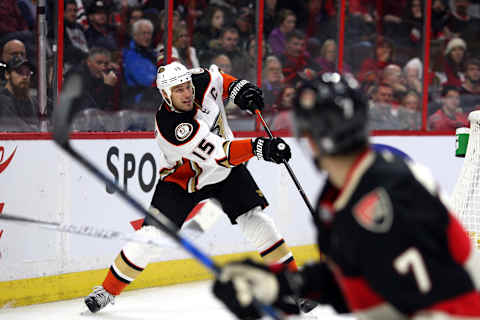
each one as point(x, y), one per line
point(246, 95)
point(241, 282)
point(274, 150)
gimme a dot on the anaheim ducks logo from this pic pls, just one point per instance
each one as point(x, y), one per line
point(183, 131)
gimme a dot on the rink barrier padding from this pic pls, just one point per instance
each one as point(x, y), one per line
point(75, 285)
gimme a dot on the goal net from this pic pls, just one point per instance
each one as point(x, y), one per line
point(466, 194)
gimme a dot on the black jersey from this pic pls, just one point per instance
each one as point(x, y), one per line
point(393, 245)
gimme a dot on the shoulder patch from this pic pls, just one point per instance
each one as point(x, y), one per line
point(176, 128)
point(374, 211)
point(183, 131)
point(201, 81)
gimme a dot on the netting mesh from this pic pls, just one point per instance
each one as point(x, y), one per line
point(466, 194)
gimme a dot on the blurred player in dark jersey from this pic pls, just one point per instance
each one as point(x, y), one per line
point(391, 247)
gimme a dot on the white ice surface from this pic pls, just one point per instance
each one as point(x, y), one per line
point(192, 301)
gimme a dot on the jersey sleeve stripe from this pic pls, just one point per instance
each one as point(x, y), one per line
point(240, 151)
point(227, 80)
point(204, 90)
point(237, 151)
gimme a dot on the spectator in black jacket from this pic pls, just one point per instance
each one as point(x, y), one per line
point(18, 110)
point(99, 79)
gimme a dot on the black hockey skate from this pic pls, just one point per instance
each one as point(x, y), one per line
point(98, 299)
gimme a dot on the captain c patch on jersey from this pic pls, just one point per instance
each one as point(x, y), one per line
point(183, 131)
point(374, 211)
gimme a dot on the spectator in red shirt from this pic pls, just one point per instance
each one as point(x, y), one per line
point(372, 68)
point(450, 116)
point(296, 64)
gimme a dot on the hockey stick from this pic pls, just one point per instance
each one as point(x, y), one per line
point(289, 169)
point(62, 117)
point(89, 231)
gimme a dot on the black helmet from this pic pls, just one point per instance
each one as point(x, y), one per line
point(333, 111)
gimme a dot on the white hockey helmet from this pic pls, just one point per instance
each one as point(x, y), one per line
point(169, 76)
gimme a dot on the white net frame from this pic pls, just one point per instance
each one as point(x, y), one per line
point(466, 194)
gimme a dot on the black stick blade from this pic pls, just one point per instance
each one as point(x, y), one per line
point(63, 114)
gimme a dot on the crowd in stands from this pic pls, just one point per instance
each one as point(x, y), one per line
point(117, 46)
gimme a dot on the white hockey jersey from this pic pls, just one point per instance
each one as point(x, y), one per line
point(197, 147)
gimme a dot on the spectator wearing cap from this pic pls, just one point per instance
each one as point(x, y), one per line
point(450, 116)
point(100, 34)
point(139, 66)
point(18, 110)
point(99, 80)
point(75, 47)
point(453, 63)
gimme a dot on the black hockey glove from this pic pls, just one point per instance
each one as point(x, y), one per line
point(274, 150)
point(241, 282)
point(246, 95)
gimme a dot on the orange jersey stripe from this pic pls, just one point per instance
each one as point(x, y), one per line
point(240, 151)
point(227, 80)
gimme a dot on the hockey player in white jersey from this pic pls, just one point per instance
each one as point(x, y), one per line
point(201, 160)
